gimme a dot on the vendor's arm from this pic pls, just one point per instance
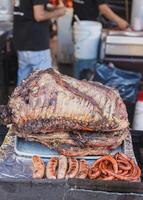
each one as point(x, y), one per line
point(41, 14)
point(109, 14)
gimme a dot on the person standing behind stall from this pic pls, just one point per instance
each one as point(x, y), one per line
point(31, 35)
point(90, 9)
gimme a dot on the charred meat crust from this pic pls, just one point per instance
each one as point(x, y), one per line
point(61, 122)
point(73, 90)
point(65, 124)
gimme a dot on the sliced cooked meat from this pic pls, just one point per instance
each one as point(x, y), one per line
point(83, 169)
point(73, 168)
point(62, 168)
point(51, 168)
point(81, 144)
point(38, 167)
point(76, 151)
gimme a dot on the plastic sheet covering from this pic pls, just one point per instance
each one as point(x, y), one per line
point(126, 82)
point(12, 166)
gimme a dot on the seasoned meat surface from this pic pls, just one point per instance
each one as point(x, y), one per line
point(73, 117)
point(49, 101)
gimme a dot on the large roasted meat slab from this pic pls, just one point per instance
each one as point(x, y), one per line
point(49, 102)
point(75, 118)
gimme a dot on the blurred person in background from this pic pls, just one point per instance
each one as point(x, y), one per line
point(90, 9)
point(31, 34)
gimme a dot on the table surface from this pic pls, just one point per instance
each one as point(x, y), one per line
point(17, 189)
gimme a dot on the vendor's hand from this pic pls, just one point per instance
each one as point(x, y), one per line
point(61, 4)
point(122, 24)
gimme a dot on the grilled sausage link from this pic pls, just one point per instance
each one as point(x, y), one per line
point(83, 169)
point(62, 169)
point(51, 168)
point(108, 158)
point(73, 168)
point(38, 167)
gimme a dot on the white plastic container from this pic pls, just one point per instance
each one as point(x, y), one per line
point(87, 36)
point(138, 116)
point(137, 15)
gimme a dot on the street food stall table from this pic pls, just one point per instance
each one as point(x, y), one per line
point(27, 188)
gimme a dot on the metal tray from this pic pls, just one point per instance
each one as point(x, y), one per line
point(126, 33)
point(28, 149)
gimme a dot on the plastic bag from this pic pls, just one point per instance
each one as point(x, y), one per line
point(126, 82)
point(82, 67)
